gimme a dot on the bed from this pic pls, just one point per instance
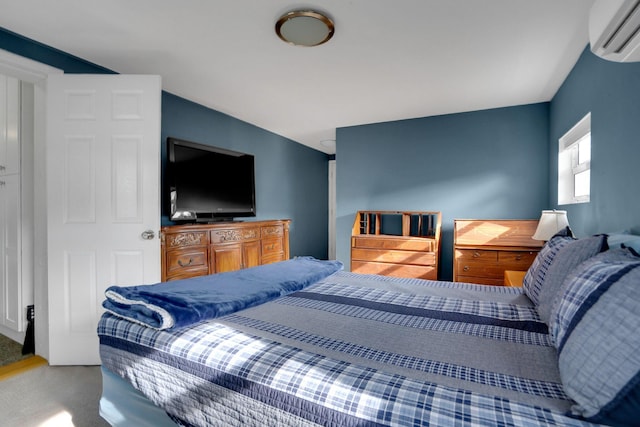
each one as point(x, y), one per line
point(334, 348)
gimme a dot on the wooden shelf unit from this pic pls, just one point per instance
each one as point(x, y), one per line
point(201, 249)
point(396, 243)
point(484, 249)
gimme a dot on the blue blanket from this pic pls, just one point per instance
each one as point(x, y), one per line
point(184, 302)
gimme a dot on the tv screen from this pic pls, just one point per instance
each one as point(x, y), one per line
point(207, 183)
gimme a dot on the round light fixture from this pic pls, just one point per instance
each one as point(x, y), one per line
point(305, 28)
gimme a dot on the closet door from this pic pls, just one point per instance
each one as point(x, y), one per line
point(11, 307)
point(12, 313)
point(9, 125)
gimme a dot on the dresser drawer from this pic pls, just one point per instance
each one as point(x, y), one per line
point(399, 243)
point(186, 259)
point(516, 260)
point(394, 256)
point(476, 255)
point(272, 231)
point(234, 235)
point(491, 264)
point(272, 250)
point(395, 270)
point(181, 240)
point(185, 263)
point(478, 268)
point(271, 246)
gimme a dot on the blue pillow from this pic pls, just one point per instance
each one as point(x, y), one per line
point(595, 327)
point(567, 258)
point(618, 240)
point(534, 278)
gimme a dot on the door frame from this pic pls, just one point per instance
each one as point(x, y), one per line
point(332, 209)
point(36, 73)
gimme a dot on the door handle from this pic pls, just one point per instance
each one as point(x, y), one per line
point(148, 234)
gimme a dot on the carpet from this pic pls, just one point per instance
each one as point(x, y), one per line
point(60, 396)
point(10, 351)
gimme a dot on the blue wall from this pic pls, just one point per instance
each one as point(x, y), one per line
point(31, 49)
point(500, 163)
point(291, 179)
point(484, 164)
point(611, 92)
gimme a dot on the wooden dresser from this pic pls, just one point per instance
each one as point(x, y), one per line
point(197, 250)
point(484, 249)
point(393, 243)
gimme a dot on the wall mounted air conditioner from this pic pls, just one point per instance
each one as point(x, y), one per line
point(614, 30)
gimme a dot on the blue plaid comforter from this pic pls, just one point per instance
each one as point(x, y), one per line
point(352, 350)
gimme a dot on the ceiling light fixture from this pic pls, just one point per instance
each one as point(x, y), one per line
point(305, 28)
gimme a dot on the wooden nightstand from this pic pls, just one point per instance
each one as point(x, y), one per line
point(514, 278)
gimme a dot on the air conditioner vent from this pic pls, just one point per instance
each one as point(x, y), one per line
point(614, 30)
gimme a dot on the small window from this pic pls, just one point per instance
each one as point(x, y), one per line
point(574, 164)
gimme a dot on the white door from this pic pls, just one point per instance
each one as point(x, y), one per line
point(103, 179)
point(12, 309)
point(11, 297)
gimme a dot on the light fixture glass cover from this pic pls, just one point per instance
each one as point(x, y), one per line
point(305, 28)
point(550, 223)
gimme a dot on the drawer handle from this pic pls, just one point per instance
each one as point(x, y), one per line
point(476, 254)
point(518, 257)
point(181, 264)
point(466, 268)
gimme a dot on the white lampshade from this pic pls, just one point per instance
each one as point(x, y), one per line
point(550, 223)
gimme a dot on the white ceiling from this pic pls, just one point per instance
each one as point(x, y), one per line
point(388, 59)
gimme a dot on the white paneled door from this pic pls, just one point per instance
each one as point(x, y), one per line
point(11, 303)
point(103, 180)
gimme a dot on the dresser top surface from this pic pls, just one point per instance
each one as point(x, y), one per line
point(227, 224)
point(496, 233)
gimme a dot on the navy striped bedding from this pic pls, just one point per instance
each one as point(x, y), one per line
point(352, 350)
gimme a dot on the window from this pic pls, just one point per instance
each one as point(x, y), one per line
point(574, 164)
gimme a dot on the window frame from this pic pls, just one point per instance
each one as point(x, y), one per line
point(569, 165)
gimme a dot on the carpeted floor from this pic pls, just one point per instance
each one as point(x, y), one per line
point(10, 351)
point(60, 396)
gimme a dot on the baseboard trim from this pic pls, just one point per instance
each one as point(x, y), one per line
point(21, 366)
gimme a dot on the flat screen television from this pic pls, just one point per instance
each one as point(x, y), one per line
point(207, 184)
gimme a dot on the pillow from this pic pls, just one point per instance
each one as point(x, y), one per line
point(534, 279)
point(618, 240)
point(595, 329)
point(567, 258)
